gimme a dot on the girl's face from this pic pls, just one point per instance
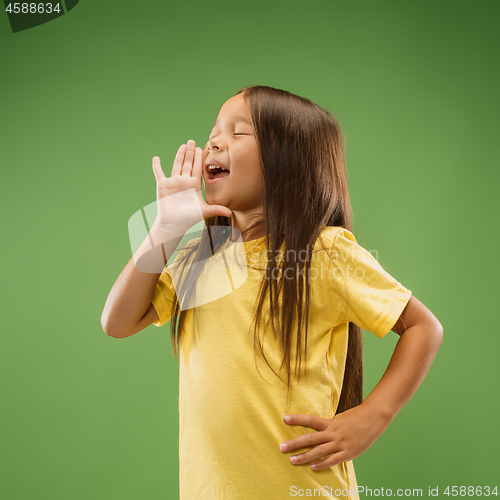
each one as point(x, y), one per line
point(233, 145)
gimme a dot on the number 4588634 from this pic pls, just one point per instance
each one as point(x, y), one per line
point(471, 491)
point(33, 8)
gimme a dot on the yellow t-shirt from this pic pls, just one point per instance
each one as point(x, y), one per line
point(230, 418)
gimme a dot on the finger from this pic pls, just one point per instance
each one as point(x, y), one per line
point(312, 421)
point(316, 453)
point(335, 459)
point(157, 169)
point(179, 160)
point(214, 210)
point(188, 160)
point(309, 439)
point(198, 165)
point(226, 212)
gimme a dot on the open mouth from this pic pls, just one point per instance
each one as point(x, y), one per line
point(216, 172)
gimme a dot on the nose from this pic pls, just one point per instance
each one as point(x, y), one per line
point(212, 145)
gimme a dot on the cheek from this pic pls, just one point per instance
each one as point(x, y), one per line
point(254, 182)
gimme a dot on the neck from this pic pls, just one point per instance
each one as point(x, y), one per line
point(241, 220)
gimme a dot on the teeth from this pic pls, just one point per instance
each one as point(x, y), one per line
point(213, 167)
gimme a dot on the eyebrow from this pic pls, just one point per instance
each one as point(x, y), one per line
point(236, 120)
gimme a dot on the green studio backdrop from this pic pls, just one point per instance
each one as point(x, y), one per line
point(88, 98)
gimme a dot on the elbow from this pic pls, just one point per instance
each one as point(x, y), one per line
point(438, 332)
point(108, 327)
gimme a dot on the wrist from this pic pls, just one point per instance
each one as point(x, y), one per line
point(167, 231)
point(161, 241)
point(380, 410)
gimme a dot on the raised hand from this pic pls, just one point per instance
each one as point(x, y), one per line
point(179, 197)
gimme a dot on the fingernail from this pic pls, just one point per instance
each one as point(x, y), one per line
point(283, 446)
point(293, 459)
point(286, 418)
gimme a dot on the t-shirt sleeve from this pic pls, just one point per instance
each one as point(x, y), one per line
point(163, 296)
point(361, 290)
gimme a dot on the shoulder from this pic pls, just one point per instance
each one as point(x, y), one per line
point(330, 236)
point(340, 246)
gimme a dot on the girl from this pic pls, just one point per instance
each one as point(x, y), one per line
point(270, 382)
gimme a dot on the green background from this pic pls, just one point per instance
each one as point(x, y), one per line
point(88, 99)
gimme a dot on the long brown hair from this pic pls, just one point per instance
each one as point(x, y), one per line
point(299, 201)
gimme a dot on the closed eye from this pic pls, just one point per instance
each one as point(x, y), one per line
point(236, 133)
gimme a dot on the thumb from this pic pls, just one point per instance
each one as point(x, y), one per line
point(157, 170)
point(214, 210)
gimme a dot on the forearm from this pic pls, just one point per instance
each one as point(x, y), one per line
point(131, 295)
point(410, 362)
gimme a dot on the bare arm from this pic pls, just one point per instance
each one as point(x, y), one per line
point(420, 337)
point(128, 308)
point(180, 203)
point(350, 433)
